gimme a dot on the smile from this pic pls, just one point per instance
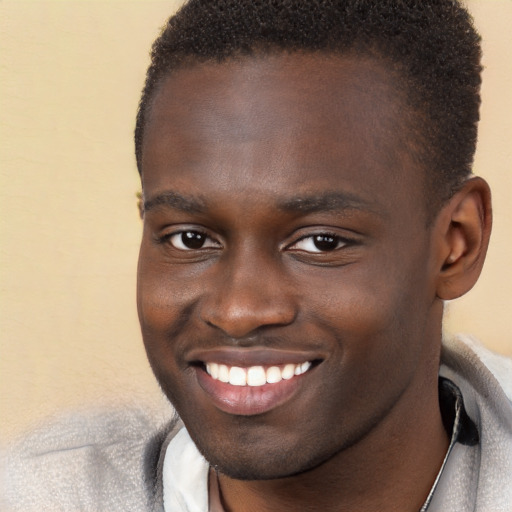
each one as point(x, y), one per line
point(252, 381)
point(255, 375)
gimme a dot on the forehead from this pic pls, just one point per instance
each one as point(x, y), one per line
point(288, 121)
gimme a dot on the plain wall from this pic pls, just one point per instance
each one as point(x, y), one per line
point(70, 78)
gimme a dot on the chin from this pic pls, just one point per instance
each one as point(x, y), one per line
point(259, 471)
point(269, 464)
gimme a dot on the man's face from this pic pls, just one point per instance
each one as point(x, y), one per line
point(284, 233)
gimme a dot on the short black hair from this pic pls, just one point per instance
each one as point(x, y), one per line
point(432, 44)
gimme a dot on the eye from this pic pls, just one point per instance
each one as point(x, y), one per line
point(322, 242)
point(191, 240)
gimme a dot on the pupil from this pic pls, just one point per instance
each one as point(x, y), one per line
point(325, 242)
point(192, 239)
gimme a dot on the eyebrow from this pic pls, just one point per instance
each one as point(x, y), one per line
point(177, 201)
point(331, 201)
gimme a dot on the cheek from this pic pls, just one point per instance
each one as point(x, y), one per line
point(159, 305)
point(378, 335)
point(160, 309)
point(375, 309)
point(351, 299)
point(163, 294)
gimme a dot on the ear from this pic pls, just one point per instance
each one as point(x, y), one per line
point(463, 228)
point(140, 204)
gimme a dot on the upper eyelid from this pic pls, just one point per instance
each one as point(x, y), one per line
point(317, 233)
point(168, 233)
point(341, 238)
point(183, 228)
point(207, 238)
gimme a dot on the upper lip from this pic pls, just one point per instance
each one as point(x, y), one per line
point(254, 356)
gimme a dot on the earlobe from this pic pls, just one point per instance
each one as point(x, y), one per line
point(463, 227)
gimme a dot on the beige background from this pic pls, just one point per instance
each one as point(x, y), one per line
point(70, 78)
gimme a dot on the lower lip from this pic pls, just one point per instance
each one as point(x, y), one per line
point(247, 400)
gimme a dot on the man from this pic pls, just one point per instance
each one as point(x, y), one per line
point(308, 205)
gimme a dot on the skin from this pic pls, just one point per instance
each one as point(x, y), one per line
point(258, 156)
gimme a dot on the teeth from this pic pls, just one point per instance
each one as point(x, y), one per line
point(255, 375)
point(289, 371)
point(223, 373)
point(304, 367)
point(237, 376)
point(213, 370)
point(274, 375)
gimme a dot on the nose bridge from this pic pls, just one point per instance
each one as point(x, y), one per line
point(251, 292)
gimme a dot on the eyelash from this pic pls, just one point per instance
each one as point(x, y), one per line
point(340, 242)
point(198, 234)
point(167, 239)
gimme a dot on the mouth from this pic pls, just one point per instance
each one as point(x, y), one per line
point(255, 376)
point(248, 383)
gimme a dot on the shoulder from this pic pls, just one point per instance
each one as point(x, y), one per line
point(468, 360)
point(483, 472)
point(90, 460)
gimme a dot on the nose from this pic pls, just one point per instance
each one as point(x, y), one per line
point(249, 295)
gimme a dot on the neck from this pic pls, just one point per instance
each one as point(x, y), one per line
point(392, 468)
